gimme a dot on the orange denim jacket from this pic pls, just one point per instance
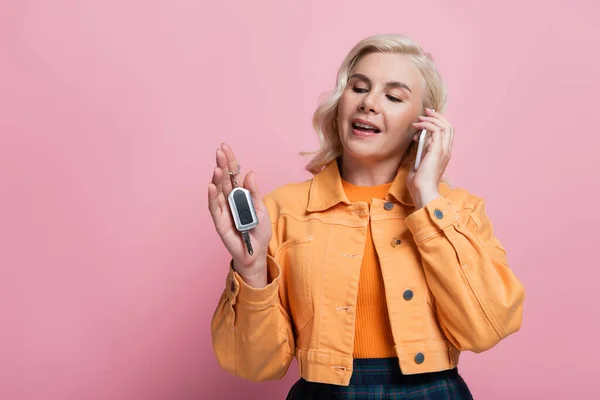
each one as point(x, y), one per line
point(447, 283)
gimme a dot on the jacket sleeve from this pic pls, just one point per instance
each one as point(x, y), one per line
point(479, 300)
point(251, 331)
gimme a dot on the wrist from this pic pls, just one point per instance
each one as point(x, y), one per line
point(255, 275)
point(424, 196)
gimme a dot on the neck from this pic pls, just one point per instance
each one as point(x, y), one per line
point(363, 173)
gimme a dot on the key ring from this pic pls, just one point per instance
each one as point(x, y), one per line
point(233, 174)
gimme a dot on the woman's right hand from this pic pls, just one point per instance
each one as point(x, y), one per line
point(252, 268)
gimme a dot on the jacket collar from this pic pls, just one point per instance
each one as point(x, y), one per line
point(326, 189)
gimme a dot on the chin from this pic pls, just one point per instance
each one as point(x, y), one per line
point(362, 151)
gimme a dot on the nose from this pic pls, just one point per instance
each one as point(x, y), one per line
point(369, 104)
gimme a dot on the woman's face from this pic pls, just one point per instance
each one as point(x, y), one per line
point(382, 99)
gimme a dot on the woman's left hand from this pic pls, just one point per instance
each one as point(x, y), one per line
point(423, 182)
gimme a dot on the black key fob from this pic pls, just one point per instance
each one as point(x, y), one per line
point(242, 209)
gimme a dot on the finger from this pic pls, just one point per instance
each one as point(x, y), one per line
point(437, 122)
point(216, 201)
point(438, 117)
point(216, 209)
point(213, 202)
point(434, 149)
point(447, 126)
point(431, 127)
point(433, 120)
point(226, 181)
point(447, 129)
point(217, 181)
point(252, 186)
point(435, 114)
point(446, 132)
point(232, 163)
point(447, 141)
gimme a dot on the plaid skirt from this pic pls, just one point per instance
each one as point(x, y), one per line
point(381, 379)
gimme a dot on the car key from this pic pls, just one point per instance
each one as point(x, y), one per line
point(244, 215)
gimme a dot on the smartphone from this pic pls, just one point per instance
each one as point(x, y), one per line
point(422, 141)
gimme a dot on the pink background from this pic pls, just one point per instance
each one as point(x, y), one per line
point(110, 113)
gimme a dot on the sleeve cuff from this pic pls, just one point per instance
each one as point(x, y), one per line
point(431, 219)
point(238, 290)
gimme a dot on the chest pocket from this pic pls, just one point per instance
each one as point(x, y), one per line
point(294, 256)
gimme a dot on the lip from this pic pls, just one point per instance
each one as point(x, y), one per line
point(363, 134)
point(364, 121)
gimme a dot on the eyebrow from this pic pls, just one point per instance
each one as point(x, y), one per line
point(392, 83)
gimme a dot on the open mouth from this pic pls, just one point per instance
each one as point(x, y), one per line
point(364, 127)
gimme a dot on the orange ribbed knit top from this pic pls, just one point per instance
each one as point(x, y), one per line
point(373, 333)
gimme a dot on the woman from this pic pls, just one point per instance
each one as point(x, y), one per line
point(374, 274)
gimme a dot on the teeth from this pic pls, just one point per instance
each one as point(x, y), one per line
point(364, 126)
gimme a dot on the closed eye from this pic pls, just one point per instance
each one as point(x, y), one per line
point(388, 96)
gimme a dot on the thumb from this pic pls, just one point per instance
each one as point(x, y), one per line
point(252, 186)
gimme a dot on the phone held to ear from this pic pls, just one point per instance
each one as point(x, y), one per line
point(422, 139)
point(421, 147)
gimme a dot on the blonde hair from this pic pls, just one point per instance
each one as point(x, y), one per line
point(324, 117)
